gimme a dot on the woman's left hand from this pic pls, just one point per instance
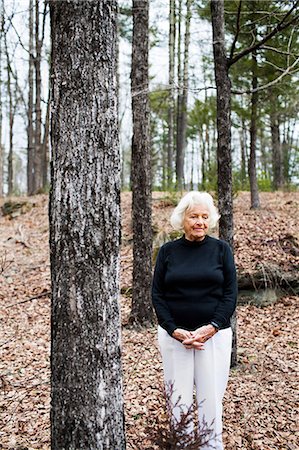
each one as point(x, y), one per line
point(201, 335)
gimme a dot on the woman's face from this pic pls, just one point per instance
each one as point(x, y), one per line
point(196, 222)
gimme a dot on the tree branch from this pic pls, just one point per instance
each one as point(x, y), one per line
point(279, 27)
point(43, 294)
point(271, 83)
point(276, 50)
point(237, 31)
point(19, 38)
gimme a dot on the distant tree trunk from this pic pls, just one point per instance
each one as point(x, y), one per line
point(142, 311)
point(243, 153)
point(223, 85)
point(87, 406)
point(171, 108)
point(254, 192)
point(277, 162)
point(179, 181)
point(11, 120)
point(45, 145)
point(203, 157)
point(264, 153)
point(38, 118)
point(182, 105)
point(192, 167)
point(30, 132)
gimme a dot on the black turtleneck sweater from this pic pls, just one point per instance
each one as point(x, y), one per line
point(194, 284)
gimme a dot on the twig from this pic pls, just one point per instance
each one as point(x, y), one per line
point(44, 294)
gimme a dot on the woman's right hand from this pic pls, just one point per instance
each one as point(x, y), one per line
point(180, 334)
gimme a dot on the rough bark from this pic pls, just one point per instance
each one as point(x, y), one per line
point(254, 192)
point(87, 406)
point(142, 312)
point(1, 104)
point(182, 105)
point(171, 107)
point(30, 132)
point(224, 160)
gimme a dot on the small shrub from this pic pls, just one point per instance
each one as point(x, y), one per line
point(168, 433)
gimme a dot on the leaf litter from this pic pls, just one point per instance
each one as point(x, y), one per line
point(260, 405)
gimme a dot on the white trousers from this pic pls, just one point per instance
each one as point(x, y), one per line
point(207, 370)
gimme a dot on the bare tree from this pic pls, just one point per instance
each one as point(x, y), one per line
point(30, 130)
point(255, 202)
point(182, 100)
point(11, 111)
point(222, 65)
point(171, 107)
point(39, 156)
point(87, 405)
point(142, 311)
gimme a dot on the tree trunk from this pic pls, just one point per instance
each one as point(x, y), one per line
point(11, 121)
point(254, 192)
point(171, 108)
point(38, 119)
point(30, 133)
point(142, 311)
point(182, 105)
point(243, 153)
point(45, 144)
point(87, 406)
point(277, 162)
point(1, 105)
point(225, 195)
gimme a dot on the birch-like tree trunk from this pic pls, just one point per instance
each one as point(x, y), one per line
point(87, 405)
point(30, 132)
point(141, 177)
point(224, 158)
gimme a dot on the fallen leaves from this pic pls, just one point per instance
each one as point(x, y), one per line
point(260, 407)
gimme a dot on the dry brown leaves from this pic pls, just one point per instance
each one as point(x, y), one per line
point(260, 409)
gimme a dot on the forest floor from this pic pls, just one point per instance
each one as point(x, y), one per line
point(260, 409)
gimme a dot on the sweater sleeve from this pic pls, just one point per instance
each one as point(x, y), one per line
point(165, 319)
point(228, 302)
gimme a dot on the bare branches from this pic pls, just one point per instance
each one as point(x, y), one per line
point(288, 71)
point(43, 294)
point(237, 31)
point(282, 25)
point(277, 50)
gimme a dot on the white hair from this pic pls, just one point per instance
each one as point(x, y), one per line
point(187, 202)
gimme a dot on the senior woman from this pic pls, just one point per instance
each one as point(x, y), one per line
point(194, 295)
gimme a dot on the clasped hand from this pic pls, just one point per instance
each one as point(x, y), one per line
point(194, 339)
